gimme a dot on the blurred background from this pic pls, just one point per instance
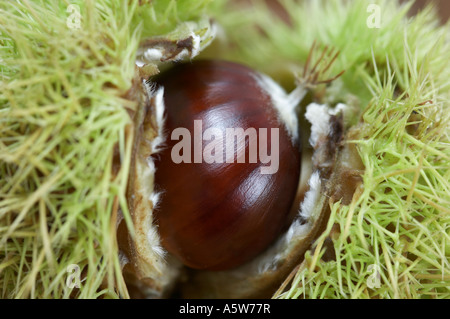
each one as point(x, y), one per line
point(442, 5)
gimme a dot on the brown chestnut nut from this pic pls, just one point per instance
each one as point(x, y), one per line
point(229, 169)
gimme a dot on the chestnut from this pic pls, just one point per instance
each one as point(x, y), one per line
point(229, 168)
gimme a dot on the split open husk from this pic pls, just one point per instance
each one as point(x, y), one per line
point(330, 173)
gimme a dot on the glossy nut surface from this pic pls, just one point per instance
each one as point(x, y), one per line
point(220, 215)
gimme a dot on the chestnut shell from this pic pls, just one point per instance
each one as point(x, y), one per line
point(221, 215)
